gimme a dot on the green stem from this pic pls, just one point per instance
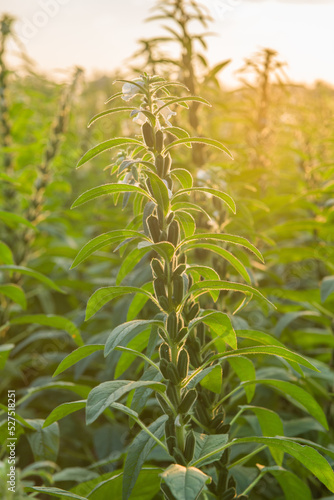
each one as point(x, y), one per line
point(254, 483)
point(246, 457)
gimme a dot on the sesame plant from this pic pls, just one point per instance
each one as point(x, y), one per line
point(183, 408)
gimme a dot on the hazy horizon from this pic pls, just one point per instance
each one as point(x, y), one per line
point(101, 35)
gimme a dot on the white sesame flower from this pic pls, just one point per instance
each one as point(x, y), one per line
point(130, 89)
point(166, 112)
point(140, 118)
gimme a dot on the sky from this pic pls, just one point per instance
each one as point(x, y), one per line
point(100, 35)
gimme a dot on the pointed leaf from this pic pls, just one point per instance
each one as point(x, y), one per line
point(107, 393)
point(107, 189)
point(75, 356)
point(104, 295)
point(125, 332)
point(137, 453)
point(102, 240)
point(51, 320)
point(214, 192)
point(228, 238)
point(14, 293)
point(108, 112)
point(34, 274)
point(63, 410)
point(185, 483)
point(200, 140)
point(106, 146)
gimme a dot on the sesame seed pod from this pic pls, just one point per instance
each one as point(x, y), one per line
point(171, 443)
point(163, 301)
point(189, 447)
point(159, 287)
point(173, 233)
point(183, 363)
point(187, 401)
point(159, 165)
point(172, 394)
point(223, 428)
point(180, 269)
point(164, 406)
point(228, 494)
point(170, 217)
point(178, 455)
point(172, 373)
point(182, 333)
point(178, 289)
point(172, 325)
point(153, 225)
point(194, 310)
point(148, 134)
point(159, 140)
point(164, 352)
point(163, 368)
point(166, 165)
point(157, 268)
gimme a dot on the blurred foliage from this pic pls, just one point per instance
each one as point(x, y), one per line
point(281, 137)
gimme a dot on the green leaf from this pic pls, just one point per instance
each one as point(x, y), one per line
point(18, 417)
point(293, 487)
point(81, 390)
point(182, 100)
point(12, 220)
point(199, 140)
point(271, 426)
point(137, 453)
point(133, 351)
point(107, 189)
point(44, 443)
point(51, 320)
point(34, 274)
point(295, 394)
point(75, 356)
point(228, 256)
point(54, 492)
point(6, 256)
point(185, 483)
point(106, 146)
point(139, 301)
point(228, 238)
point(107, 393)
point(178, 132)
point(109, 112)
point(327, 287)
point(213, 380)
point(207, 444)
point(183, 176)
point(147, 486)
point(309, 457)
point(282, 352)
point(4, 353)
point(160, 191)
point(245, 370)
point(63, 410)
point(102, 240)
point(104, 295)
point(125, 332)
point(207, 273)
point(205, 286)
point(214, 192)
point(220, 323)
point(15, 293)
point(187, 223)
point(163, 248)
point(131, 260)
